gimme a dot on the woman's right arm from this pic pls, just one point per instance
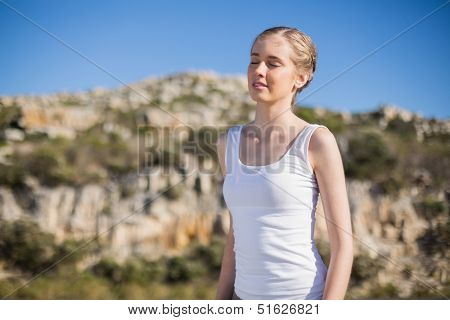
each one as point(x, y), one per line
point(225, 286)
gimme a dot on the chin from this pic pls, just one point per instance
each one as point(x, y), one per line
point(257, 98)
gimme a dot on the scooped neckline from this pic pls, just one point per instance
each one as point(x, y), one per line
point(294, 141)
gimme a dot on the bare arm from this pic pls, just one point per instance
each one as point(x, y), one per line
point(225, 286)
point(330, 176)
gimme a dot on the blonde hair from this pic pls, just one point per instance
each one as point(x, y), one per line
point(305, 52)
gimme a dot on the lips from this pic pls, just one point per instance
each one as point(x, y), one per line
point(259, 84)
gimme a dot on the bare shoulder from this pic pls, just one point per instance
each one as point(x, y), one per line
point(322, 147)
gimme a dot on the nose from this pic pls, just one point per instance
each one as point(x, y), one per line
point(259, 70)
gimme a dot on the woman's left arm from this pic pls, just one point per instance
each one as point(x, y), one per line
point(325, 158)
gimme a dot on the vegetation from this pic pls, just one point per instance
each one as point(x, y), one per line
point(435, 239)
point(91, 157)
point(365, 268)
point(368, 157)
point(433, 156)
point(386, 292)
point(186, 100)
point(404, 129)
point(26, 249)
point(71, 100)
point(430, 208)
point(29, 250)
point(389, 157)
point(424, 292)
point(9, 116)
point(332, 120)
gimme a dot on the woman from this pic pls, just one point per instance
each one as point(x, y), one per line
point(274, 167)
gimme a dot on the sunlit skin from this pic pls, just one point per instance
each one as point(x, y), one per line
point(282, 80)
point(271, 63)
point(265, 139)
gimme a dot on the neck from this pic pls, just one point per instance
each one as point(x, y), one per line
point(274, 114)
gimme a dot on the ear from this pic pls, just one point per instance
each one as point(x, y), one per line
point(301, 80)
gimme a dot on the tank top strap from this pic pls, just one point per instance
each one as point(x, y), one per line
point(302, 144)
point(232, 148)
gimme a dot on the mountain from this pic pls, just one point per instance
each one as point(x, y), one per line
point(135, 169)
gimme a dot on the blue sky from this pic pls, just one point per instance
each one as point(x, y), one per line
point(136, 39)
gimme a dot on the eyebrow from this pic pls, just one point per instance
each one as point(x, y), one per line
point(270, 57)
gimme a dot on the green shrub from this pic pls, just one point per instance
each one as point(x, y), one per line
point(154, 270)
point(49, 163)
point(9, 115)
point(71, 251)
point(209, 255)
point(404, 129)
point(431, 208)
point(433, 157)
point(134, 270)
point(385, 292)
point(421, 291)
point(306, 113)
point(190, 99)
point(407, 271)
point(46, 161)
point(435, 239)
point(368, 157)
point(179, 269)
point(106, 150)
point(142, 271)
point(71, 100)
point(109, 269)
point(24, 246)
point(82, 286)
point(391, 185)
point(12, 175)
point(332, 120)
point(90, 158)
point(365, 268)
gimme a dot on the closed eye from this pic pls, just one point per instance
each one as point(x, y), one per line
point(270, 64)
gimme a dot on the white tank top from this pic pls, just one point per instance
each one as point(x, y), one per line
point(273, 209)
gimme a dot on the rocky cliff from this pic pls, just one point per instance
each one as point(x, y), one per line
point(133, 212)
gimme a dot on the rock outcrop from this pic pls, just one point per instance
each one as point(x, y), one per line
point(160, 214)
